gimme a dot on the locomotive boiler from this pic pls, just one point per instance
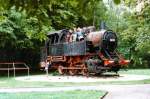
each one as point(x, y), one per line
point(95, 53)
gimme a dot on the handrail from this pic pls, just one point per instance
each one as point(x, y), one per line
point(68, 42)
point(14, 68)
point(11, 63)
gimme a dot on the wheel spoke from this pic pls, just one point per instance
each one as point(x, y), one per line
point(72, 72)
point(61, 70)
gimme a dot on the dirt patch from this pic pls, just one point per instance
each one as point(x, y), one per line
point(79, 79)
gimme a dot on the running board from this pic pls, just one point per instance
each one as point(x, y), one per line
point(56, 58)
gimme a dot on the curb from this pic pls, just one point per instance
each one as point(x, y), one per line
point(104, 95)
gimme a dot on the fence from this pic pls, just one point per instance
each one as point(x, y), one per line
point(8, 66)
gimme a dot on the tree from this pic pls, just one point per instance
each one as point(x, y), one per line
point(137, 35)
point(25, 23)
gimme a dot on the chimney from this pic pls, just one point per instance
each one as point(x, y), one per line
point(102, 25)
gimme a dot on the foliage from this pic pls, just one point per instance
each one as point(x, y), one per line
point(130, 2)
point(25, 23)
point(18, 30)
point(117, 1)
point(137, 36)
point(133, 31)
point(21, 36)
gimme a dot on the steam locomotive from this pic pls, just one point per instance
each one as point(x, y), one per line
point(96, 53)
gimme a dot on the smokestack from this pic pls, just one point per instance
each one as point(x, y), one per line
point(102, 25)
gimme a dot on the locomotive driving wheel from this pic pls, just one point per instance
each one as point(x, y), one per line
point(84, 70)
point(72, 68)
point(61, 70)
point(72, 72)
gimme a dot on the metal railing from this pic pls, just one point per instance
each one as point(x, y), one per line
point(12, 66)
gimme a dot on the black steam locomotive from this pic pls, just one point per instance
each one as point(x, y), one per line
point(93, 52)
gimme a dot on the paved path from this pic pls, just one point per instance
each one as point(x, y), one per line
point(128, 91)
point(115, 91)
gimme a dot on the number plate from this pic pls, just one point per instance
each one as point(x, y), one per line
point(112, 40)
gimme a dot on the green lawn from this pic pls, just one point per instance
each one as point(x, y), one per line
point(78, 94)
point(136, 71)
point(12, 83)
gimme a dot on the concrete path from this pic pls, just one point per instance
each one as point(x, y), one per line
point(115, 91)
point(128, 91)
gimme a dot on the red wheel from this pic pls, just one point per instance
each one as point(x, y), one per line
point(61, 70)
point(84, 72)
point(72, 72)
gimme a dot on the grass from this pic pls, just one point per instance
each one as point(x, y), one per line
point(136, 71)
point(12, 83)
point(78, 94)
